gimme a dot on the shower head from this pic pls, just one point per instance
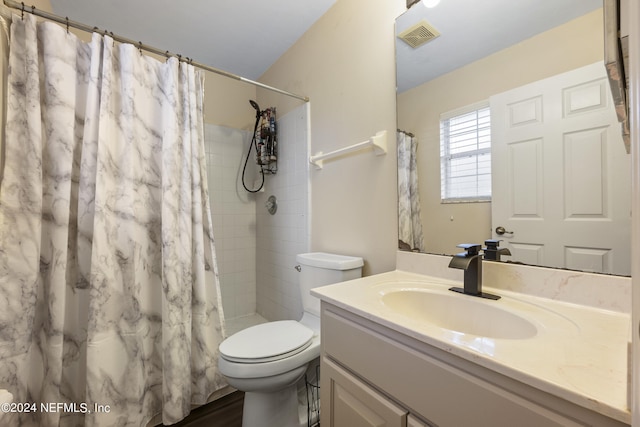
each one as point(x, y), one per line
point(254, 104)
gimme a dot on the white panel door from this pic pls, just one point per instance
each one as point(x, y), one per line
point(560, 174)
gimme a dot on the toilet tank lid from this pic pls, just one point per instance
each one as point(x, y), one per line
point(332, 261)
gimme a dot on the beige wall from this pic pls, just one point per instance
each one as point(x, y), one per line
point(226, 102)
point(564, 48)
point(39, 4)
point(345, 64)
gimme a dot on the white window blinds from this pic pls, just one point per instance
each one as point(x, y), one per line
point(465, 154)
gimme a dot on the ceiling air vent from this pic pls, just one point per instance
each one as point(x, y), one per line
point(419, 34)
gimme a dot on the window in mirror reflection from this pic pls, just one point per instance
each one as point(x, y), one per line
point(465, 154)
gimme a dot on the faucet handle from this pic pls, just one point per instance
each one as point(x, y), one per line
point(493, 252)
point(471, 248)
point(492, 244)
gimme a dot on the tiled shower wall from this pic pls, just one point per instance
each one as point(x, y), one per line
point(283, 235)
point(233, 212)
point(255, 250)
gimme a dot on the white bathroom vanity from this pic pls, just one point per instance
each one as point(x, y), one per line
point(393, 357)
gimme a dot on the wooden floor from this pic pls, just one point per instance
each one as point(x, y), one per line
point(226, 411)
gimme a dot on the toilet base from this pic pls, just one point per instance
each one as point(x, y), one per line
point(271, 409)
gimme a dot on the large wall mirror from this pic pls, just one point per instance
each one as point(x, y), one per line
point(558, 170)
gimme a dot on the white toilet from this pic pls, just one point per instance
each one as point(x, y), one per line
point(266, 361)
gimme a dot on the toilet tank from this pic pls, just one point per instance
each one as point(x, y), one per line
point(319, 269)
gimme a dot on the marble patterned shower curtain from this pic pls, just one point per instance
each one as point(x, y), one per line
point(109, 292)
point(409, 223)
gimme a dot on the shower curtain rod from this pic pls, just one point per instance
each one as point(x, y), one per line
point(66, 21)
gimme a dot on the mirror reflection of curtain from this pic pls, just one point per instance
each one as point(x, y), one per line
point(409, 226)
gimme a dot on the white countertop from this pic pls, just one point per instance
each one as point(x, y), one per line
point(584, 363)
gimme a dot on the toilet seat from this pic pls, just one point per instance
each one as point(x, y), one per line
point(267, 342)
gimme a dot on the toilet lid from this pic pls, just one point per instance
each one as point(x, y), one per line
point(267, 342)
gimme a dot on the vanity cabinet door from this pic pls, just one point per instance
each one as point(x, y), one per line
point(352, 403)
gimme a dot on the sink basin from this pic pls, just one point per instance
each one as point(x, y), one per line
point(460, 313)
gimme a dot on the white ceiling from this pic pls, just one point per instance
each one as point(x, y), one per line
point(473, 29)
point(246, 37)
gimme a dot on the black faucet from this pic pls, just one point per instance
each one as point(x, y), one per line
point(471, 262)
point(492, 252)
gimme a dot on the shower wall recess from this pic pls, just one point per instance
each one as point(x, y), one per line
point(233, 212)
point(283, 235)
point(256, 250)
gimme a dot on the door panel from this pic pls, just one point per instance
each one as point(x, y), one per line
point(561, 175)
